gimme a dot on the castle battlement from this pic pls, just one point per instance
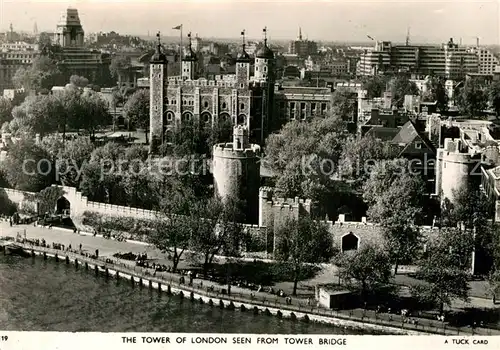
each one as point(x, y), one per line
point(226, 150)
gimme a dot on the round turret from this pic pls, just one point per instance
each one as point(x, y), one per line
point(243, 57)
point(236, 171)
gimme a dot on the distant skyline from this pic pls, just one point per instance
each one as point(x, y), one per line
point(329, 20)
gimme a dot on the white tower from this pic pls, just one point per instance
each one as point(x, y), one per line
point(157, 75)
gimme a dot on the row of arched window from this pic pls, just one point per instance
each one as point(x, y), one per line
point(205, 117)
point(186, 102)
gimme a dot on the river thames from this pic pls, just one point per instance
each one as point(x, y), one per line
point(38, 295)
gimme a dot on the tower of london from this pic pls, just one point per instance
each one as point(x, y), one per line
point(241, 99)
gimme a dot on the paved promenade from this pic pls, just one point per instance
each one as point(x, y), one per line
point(108, 247)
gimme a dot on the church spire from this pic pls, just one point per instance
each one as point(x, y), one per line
point(300, 34)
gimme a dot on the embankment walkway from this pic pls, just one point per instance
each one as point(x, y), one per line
point(270, 305)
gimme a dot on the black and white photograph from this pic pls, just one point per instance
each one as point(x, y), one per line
point(313, 170)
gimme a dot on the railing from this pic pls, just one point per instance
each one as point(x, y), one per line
point(368, 317)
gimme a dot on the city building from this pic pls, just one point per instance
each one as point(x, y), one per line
point(487, 61)
point(301, 103)
point(71, 55)
point(448, 60)
point(241, 99)
point(10, 62)
point(302, 47)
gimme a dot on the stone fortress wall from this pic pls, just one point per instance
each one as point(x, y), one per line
point(273, 212)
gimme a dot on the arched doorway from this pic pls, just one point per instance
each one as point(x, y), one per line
point(350, 242)
point(63, 206)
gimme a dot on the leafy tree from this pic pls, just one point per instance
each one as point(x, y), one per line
point(445, 268)
point(367, 269)
point(214, 228)
point(102, 175)
point(436, 91)
point(304, 157)
point(84, 110)
point(71, 160)
point(27, 166)
point(494, 97)
point(395, 198)
point(400, 87)
point(303, 241)
point(119, 64)
point(359, 154)
point(44, 40)
point(5, 110)
point(343, 105)
point(79, 81)
point(472, 98)
point(172, 227)
point(375, 86)
point(136, 109)
point(42, 74)
point(38, 114)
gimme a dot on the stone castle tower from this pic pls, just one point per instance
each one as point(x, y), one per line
point(69, 32)
point(236, 171)
point(157, 75)
point(189, 62)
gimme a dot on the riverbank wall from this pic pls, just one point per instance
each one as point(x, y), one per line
point(172, 287)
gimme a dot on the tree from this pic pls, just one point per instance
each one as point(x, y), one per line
point(472, 98)
point(343, 105)
point(102, 175)
point(494, 97)
point(38, 114)
point(366, 269)
point(445, 268)
point(119, 64)
point(27, 166)
point(304, 156)
point(436, 92)
point(85, 110)
point(395, 198)
point(172, 227)
point(42, 74)
point(303, 241)
point(400, 87)
point(5, 110)
point(79, 81)
point(71, 160)
point(136, 109)
point(215, 228)
point(375, 86)
point(359, 154)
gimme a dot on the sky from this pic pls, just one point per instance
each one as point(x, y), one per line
point(328, 20)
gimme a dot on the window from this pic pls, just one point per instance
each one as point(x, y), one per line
point(313, 107)
point(303, 106)
point(183, 102)
point(205, 104)
point(224, 105)
point(256, 68)
point(323, 107)
point(418, 145)
point(265, 69)
point(242, 86)
point(242, 106)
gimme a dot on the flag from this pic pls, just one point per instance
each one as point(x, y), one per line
point(179, 27)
